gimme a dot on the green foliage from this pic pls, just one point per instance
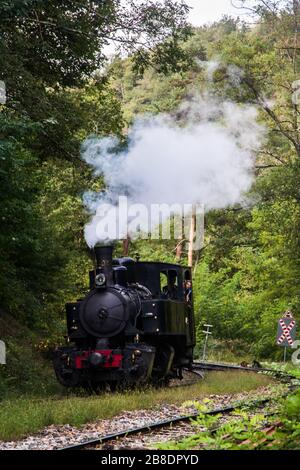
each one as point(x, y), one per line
point(23, 238)
point(27, 371)
point(247, 274)
point(61, 42)
point(59, 93)
point(273, 428)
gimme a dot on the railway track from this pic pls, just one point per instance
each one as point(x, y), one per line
point(198, 368)
point(212, 366)
point(162, 424)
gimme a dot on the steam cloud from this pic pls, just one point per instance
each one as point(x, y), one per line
point(203, 154)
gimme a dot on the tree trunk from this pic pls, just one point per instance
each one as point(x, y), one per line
point(192, 238)
point(126, 244)
point(179, 250)
point(180, 246)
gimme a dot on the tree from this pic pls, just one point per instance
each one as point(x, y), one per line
point(61, 42)
point(58, 93)
point(47, 46)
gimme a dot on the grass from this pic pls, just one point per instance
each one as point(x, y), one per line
point(22, 416)
point(234, 352)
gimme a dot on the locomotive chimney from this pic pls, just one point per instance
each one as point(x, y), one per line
point(104, 259)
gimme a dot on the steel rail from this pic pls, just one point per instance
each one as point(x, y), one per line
point(211, 366)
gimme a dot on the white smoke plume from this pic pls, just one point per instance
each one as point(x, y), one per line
point(234, 73)
point(204, 154)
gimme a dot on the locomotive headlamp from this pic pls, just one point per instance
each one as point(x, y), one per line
point(100, 280)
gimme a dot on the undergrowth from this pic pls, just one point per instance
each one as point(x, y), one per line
point(274, 427)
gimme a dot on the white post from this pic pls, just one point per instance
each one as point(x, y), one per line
point(2, 353)
point(207, 333)
point(285, 353)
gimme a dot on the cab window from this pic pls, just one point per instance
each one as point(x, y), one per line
point(169, 284)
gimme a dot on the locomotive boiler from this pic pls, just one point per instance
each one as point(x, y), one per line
point(136, 325)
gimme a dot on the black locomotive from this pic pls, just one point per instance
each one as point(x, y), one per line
point(136, 325)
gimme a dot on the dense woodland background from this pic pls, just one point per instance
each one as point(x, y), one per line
point(61, 88)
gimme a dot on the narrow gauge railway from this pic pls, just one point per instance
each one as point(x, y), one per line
point(135, 327)
point(220, 367)
point(164, 424)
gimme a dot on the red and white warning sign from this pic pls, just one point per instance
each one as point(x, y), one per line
point(287, 331)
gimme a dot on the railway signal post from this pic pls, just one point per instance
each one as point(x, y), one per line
point(286, 335)
point(207, 333)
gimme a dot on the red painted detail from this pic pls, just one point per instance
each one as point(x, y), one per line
point(112, 361)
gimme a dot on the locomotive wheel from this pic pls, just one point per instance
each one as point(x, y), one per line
point(163, 362)
point(67, 377)
point(98, 388)
point(115, 386)
point(161, 383)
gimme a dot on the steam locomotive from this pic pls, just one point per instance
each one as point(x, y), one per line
point(135, 326)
